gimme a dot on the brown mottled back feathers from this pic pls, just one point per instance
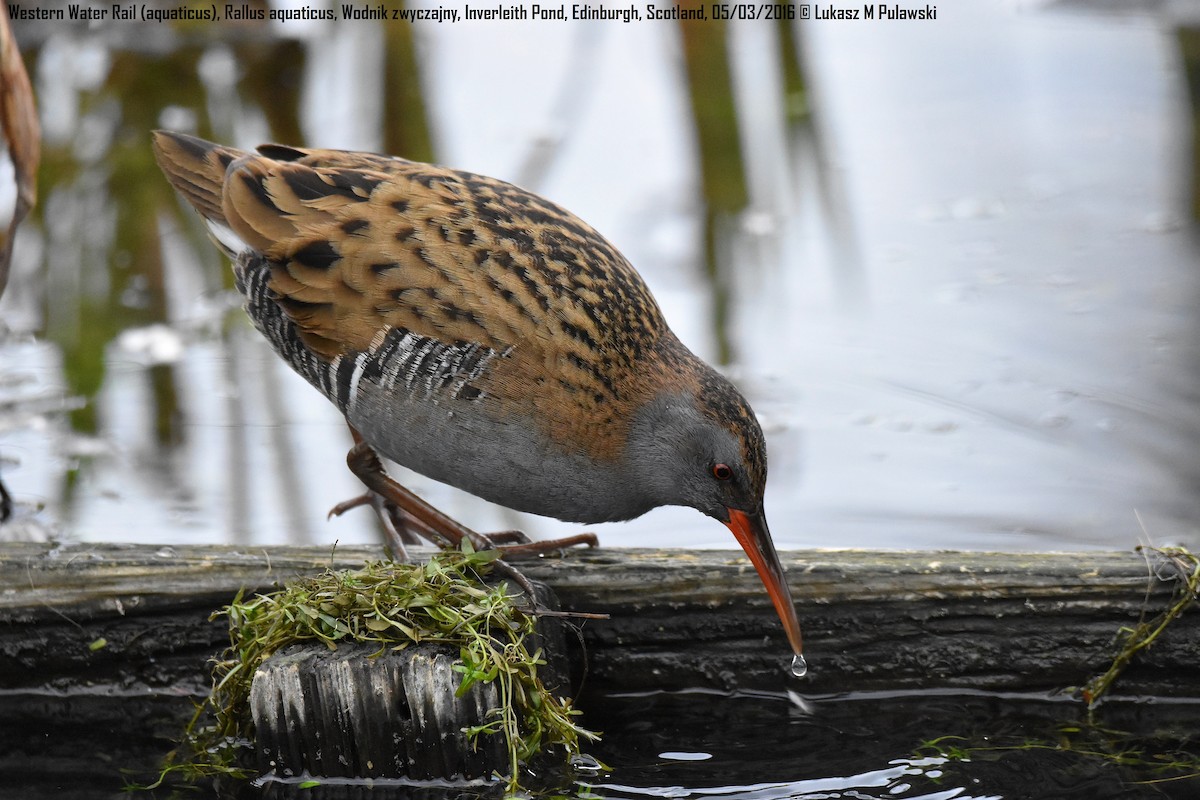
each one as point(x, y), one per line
point(358, 243)
point(365, 242)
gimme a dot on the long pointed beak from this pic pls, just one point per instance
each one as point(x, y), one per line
point(755, 538)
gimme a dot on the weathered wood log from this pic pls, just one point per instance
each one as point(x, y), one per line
point(893, 620)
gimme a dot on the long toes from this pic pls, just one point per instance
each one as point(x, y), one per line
point(507, 537)
point(396, 533)
point(548, 546)
point(394, 542)
point(365, 499)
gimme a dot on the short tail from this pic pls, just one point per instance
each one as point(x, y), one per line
point(196, 168)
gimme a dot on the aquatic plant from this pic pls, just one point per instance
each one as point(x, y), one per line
point(443, 601)
point(1158, 759)
point(1175, 564)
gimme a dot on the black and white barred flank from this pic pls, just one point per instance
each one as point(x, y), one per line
point(396, 357)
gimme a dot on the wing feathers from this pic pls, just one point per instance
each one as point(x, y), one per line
point(358, 243)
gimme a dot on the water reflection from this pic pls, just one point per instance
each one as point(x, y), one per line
point(881, 746)
point(694, 744)
point(949, 263)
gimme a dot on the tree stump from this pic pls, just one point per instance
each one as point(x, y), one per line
point(362, 712)
point(355, 713)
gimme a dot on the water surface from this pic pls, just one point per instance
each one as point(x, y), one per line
point(960, 290)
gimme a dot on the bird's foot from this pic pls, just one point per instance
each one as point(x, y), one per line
point(410, 514)
point(497, 538)
point(406, 514)
point(546, 547)
point(397, 530)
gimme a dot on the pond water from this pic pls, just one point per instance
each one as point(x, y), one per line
point(694, 744)
point(956, 278)
point(875, 746)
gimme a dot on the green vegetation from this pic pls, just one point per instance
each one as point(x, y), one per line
point(1167, 756)
point(394, 606)
point(1154, 760)
point(1175, 564)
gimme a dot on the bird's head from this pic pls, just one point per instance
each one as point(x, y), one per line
point(704, 448)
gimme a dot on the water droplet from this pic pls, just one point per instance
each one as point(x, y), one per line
point(799, 666)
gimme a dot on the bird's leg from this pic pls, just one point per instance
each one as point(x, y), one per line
point(397, 530)
point(439, 528)
point(393, 517)
point(422, 518)
point(398, 504)
point(394, 501)
point(365, 464)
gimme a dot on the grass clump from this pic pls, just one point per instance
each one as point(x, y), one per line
point(393, 606)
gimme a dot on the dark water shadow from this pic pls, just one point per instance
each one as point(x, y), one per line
point(695, 744)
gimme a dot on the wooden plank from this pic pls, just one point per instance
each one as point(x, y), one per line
point(873, 620)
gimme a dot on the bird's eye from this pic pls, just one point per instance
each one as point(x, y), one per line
point(722, 472)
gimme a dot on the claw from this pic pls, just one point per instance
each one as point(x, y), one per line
point(364, 499)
